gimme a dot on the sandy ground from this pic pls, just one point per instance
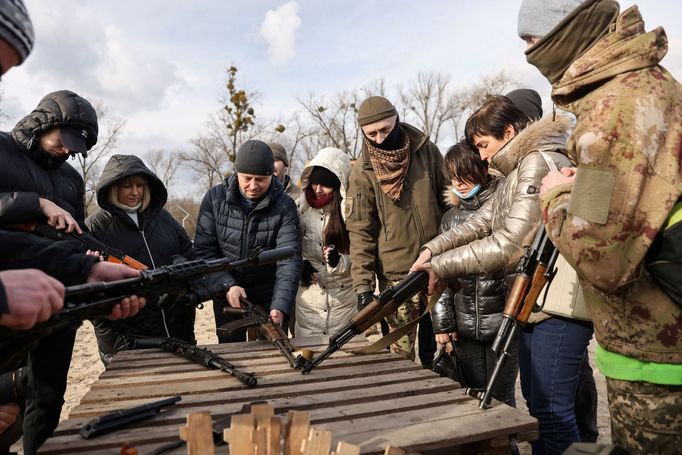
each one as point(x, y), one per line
point(86, 368)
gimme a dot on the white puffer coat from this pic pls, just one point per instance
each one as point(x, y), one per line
point(326, 307)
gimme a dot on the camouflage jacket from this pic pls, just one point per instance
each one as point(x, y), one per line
point(627, 142)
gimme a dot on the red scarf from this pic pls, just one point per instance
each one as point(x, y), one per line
point(314, 201)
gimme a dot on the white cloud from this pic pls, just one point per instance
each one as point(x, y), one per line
point(279, 30)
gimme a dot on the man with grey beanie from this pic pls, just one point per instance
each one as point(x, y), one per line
point(609, 214)
point(16, 34)
point(249, 210)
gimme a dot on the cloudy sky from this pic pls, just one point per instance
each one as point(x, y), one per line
point(160, 64)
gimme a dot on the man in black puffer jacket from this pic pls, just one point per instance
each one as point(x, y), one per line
point(144, 231)
point(34, 169)
point(250, 210)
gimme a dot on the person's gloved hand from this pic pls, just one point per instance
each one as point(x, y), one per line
point(364, 299)
point(309, 275)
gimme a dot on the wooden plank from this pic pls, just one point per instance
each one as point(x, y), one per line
point(319, 442)
point(198, 434)
point(298, 424)
point(343, 448)
point(240, 434)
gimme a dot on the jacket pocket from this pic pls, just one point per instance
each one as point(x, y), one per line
point(591, 194)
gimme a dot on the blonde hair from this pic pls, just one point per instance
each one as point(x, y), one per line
point(112, 198)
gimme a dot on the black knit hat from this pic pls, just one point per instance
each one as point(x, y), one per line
point(527, 101)
point(16, 27)
point(323, 176)
point(255, 157)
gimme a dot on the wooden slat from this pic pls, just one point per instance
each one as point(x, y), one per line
point(367, 401)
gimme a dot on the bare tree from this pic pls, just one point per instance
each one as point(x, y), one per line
point(238, 114)
point(426, 100)
point(164, 164)
point(465, 101)
point(208, 160)
point(90, 167)
point(334, 120)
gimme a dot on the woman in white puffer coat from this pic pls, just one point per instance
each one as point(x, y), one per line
point(325, 301)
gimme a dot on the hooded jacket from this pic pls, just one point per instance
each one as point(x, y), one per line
point(627, 142)
point(475, 312)
point(225, 230)
point(154, 242)
point(323, 308)
point(386, 236)
point(494, 237)
point(28, 172)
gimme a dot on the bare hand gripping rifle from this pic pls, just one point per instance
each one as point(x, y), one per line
point(193, 353)
point(255, 316)
point(95, 300)
point(534, 271)
point(387, 302)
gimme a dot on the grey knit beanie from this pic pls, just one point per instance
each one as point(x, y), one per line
point(375, 108)
point(539, 17)
point(16, 27)
point(255, 158)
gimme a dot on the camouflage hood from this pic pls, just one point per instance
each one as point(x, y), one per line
point(627, 47)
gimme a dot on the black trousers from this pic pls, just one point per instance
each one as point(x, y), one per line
point(48, 368)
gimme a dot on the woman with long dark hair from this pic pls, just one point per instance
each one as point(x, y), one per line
point(325, 300)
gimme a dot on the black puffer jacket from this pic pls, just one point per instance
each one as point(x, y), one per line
point(30, 172)
point(476, 311)
point(224, 230)
point(154, 243)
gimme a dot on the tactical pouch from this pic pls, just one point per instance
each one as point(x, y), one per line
point(664, 259)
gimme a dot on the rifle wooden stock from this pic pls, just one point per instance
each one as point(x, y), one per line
point(536, 285)
point(516, 296)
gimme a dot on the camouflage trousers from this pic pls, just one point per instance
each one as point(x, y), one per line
point(405, 313)
point(645, 418)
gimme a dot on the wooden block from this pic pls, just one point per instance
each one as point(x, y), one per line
point(319, 442)
point(198, 434)
point(390, 450)
point(343, 448)
point(240, 435)
point(297, 431)
point(272, 427)
point(260, 441)
point(259, 411)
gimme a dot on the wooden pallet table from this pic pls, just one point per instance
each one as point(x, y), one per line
point(367, 400)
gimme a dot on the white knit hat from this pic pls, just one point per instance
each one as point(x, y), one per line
point(539, 17)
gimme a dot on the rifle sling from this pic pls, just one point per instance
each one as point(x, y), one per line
point(398, 333)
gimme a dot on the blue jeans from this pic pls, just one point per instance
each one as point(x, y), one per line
point(550, 355)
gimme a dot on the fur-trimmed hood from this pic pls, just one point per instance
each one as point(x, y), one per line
point(452, 200)
point(548, 133)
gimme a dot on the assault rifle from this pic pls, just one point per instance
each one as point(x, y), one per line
point(195, 354)
point(533, 272)
point(95, 300)
point(255, 316)
point(387, 302)
point(109, 254)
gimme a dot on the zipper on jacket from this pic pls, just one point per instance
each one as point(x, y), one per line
point(477, 327)
point(149, 251)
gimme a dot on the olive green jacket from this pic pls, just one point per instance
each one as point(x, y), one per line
point(627, 142)
point(386, 236)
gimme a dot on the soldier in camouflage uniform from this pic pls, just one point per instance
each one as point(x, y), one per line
point(604, 214)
